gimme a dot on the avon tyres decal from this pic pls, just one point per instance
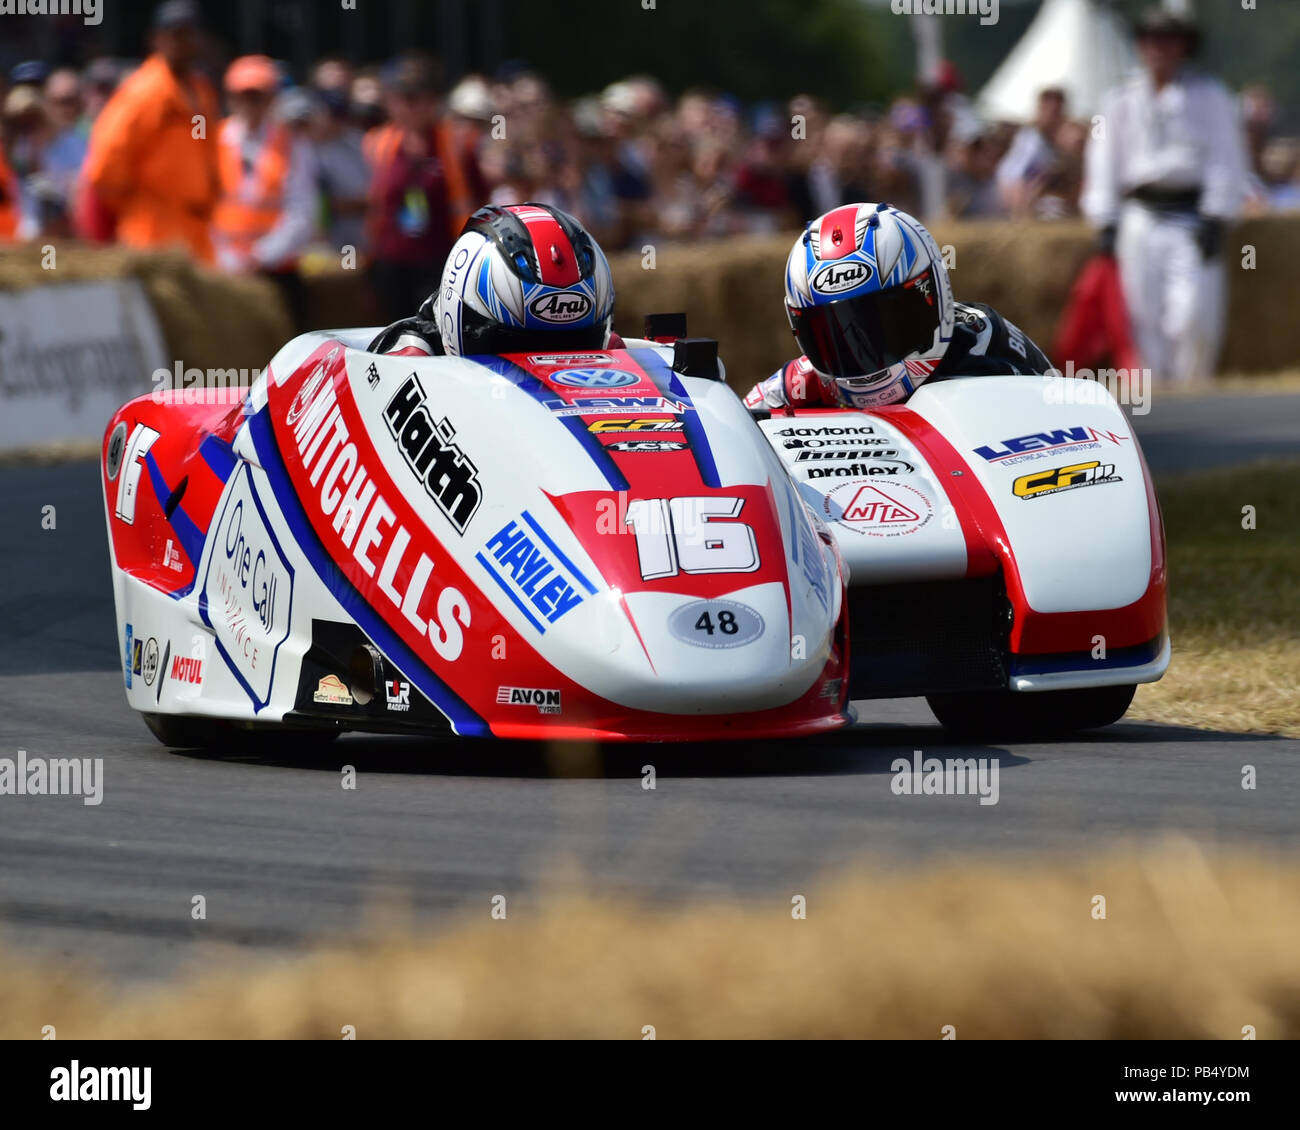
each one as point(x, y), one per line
point(247, 591)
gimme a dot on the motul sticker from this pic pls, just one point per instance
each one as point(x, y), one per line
point(878, 511)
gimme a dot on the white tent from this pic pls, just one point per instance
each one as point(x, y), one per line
point(1083, 48)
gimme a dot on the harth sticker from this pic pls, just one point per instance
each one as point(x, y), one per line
point(878, 511)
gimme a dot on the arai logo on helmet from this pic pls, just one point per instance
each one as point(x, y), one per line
point(594, 378)
point(560, 306)
point(835, 278)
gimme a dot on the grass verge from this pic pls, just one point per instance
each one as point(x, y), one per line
point(1234, 601)
point(1190, 947)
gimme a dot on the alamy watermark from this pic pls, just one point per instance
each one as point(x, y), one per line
point(90, 11)
point(947, 776)
point(1091, 386)
point(179, 385)
point(53, 776)
point(987, 10)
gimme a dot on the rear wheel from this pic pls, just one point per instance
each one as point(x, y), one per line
point(1020, 714)
point(184, 732)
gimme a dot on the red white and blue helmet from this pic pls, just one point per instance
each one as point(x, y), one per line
point(520, 278)
point(869, 301)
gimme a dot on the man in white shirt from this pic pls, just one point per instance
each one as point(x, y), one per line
point(1032, 155)
point(1165, 174)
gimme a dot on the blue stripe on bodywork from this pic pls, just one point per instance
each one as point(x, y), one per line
point(505, 588)
point(1116, 660)
point(526, 382)
point(186, 532)
point(461, 715)
point(692, 426)
point(219, 456)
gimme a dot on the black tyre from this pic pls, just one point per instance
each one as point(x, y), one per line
point(1011, 714)
point(182, 732)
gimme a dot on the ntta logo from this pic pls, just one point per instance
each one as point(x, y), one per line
point(594, 378)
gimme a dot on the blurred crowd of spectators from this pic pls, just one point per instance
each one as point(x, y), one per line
point(632, 162)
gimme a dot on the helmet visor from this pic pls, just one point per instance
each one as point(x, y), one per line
point(858, 336)
point(480, 335)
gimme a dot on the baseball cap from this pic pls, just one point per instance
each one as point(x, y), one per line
point(252, 72)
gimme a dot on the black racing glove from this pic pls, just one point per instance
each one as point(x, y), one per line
point(1105, 243)
point(1209, 237)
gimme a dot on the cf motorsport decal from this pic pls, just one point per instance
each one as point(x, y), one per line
point(448, 476)
point(642, 424)
point(1059, 479)
point(247, 591)
point(546, 701)
point(878, 512)
point(559, 307)
point(594, 378)
point(837, 277)
point(716, 623)
point(1039, 445)
point(533, 572)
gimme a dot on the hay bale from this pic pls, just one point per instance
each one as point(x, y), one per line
point(209, 320)
point(732, 290)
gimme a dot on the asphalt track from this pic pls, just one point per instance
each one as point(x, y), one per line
point(282, 853)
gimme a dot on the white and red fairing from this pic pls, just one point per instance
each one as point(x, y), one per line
point(1037, 479)
point(594, 534)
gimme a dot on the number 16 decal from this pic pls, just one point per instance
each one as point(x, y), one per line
point(686, 535)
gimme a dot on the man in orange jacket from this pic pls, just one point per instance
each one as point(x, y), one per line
point(266, 216)
point(153, 154)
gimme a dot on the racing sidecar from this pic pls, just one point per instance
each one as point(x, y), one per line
point(1004, 548)
point(579, 546)
point(606, 546)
